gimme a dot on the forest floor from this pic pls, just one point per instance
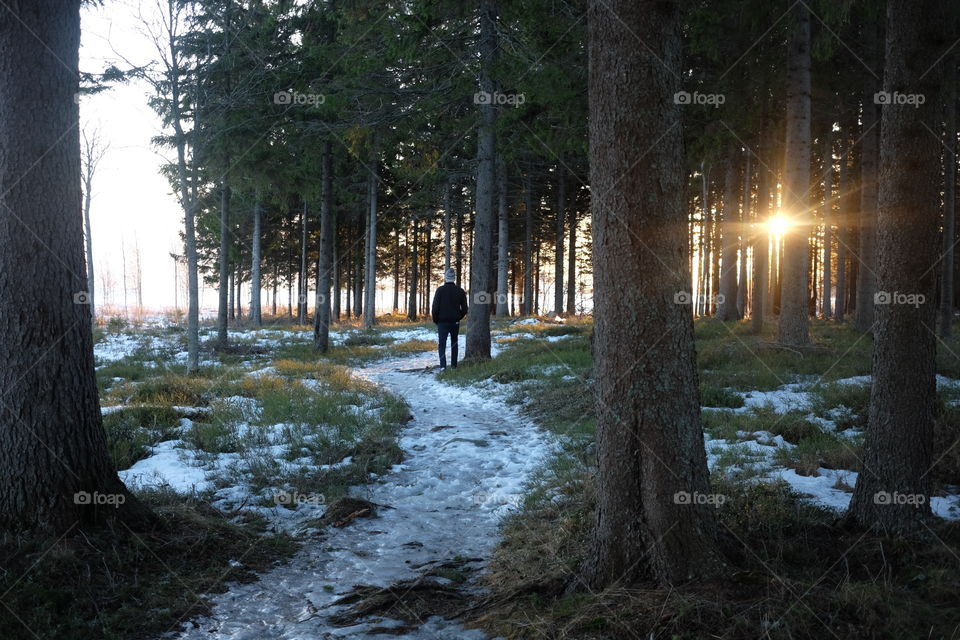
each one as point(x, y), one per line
point(366, 493)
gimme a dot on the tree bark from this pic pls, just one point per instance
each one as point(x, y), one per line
point(478, 326)
point(503, 239)
point(826, 301)
point(530, 198)
point(727, 300)
point(53, 450)
point(560, 234)
point(328, 230)
point(949, 202)
point(414, 266)
point(893, 489)
point(302, 278)
point(650, 447)
point(370, 304)
point(744, 219)
point(843, 234)
point(572, 266)
point(793, 289)
point(761, 240)
point(870, 139)
point(223, 293)
point(256, 278)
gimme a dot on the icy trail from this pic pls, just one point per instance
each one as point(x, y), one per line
point(448, 495)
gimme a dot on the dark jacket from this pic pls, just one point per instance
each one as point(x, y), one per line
point(449, 303)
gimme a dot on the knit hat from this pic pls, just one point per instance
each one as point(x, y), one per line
point(450, 275)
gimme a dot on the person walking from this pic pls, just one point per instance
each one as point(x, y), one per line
point(449, 308)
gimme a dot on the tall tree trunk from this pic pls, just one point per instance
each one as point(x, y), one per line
point(949, 201)
point(256, 278)
point(761, 240)
point(478, 327)
point(744, 219)
point(727, 300)
point(302, 277)
point(370, 305)
point(337, 285)
point(230, 304)
point(843, 234)
point(88, 235)
point(530, 199)
point(793, 288)
point(414, 257)
point(396, 272)
point(328, 231)
point(358, 270)
point(561, 233)
point(55, 470)
point(867, 263)
point(652, 468)
point(826, 303)
point(503, 238)
point(572, 266)
point(447, 256)
point(893, 489)
point(223, 292)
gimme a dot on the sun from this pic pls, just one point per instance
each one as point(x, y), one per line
point(779, 225)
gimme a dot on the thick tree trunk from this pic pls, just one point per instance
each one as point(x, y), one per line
point(652, 478)
point(224, 284)
point(949, 201)
point(328, 231)
point(370, 304)
point(256, 278)
point(826, 302)
point(481, 289)
point(867, 263)
point(55, 470)
point(893, 489)
point(793, 288)
point(727, 300)
point(560, 234)
point(503, 239)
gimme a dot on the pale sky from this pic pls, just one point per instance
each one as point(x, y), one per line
point(132, 202)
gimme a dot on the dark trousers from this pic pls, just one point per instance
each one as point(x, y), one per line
point(451, 329)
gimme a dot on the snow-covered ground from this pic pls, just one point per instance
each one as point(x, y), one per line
point(467, 457)
point(448, 496)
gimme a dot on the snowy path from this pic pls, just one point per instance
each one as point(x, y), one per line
point(449, 494)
